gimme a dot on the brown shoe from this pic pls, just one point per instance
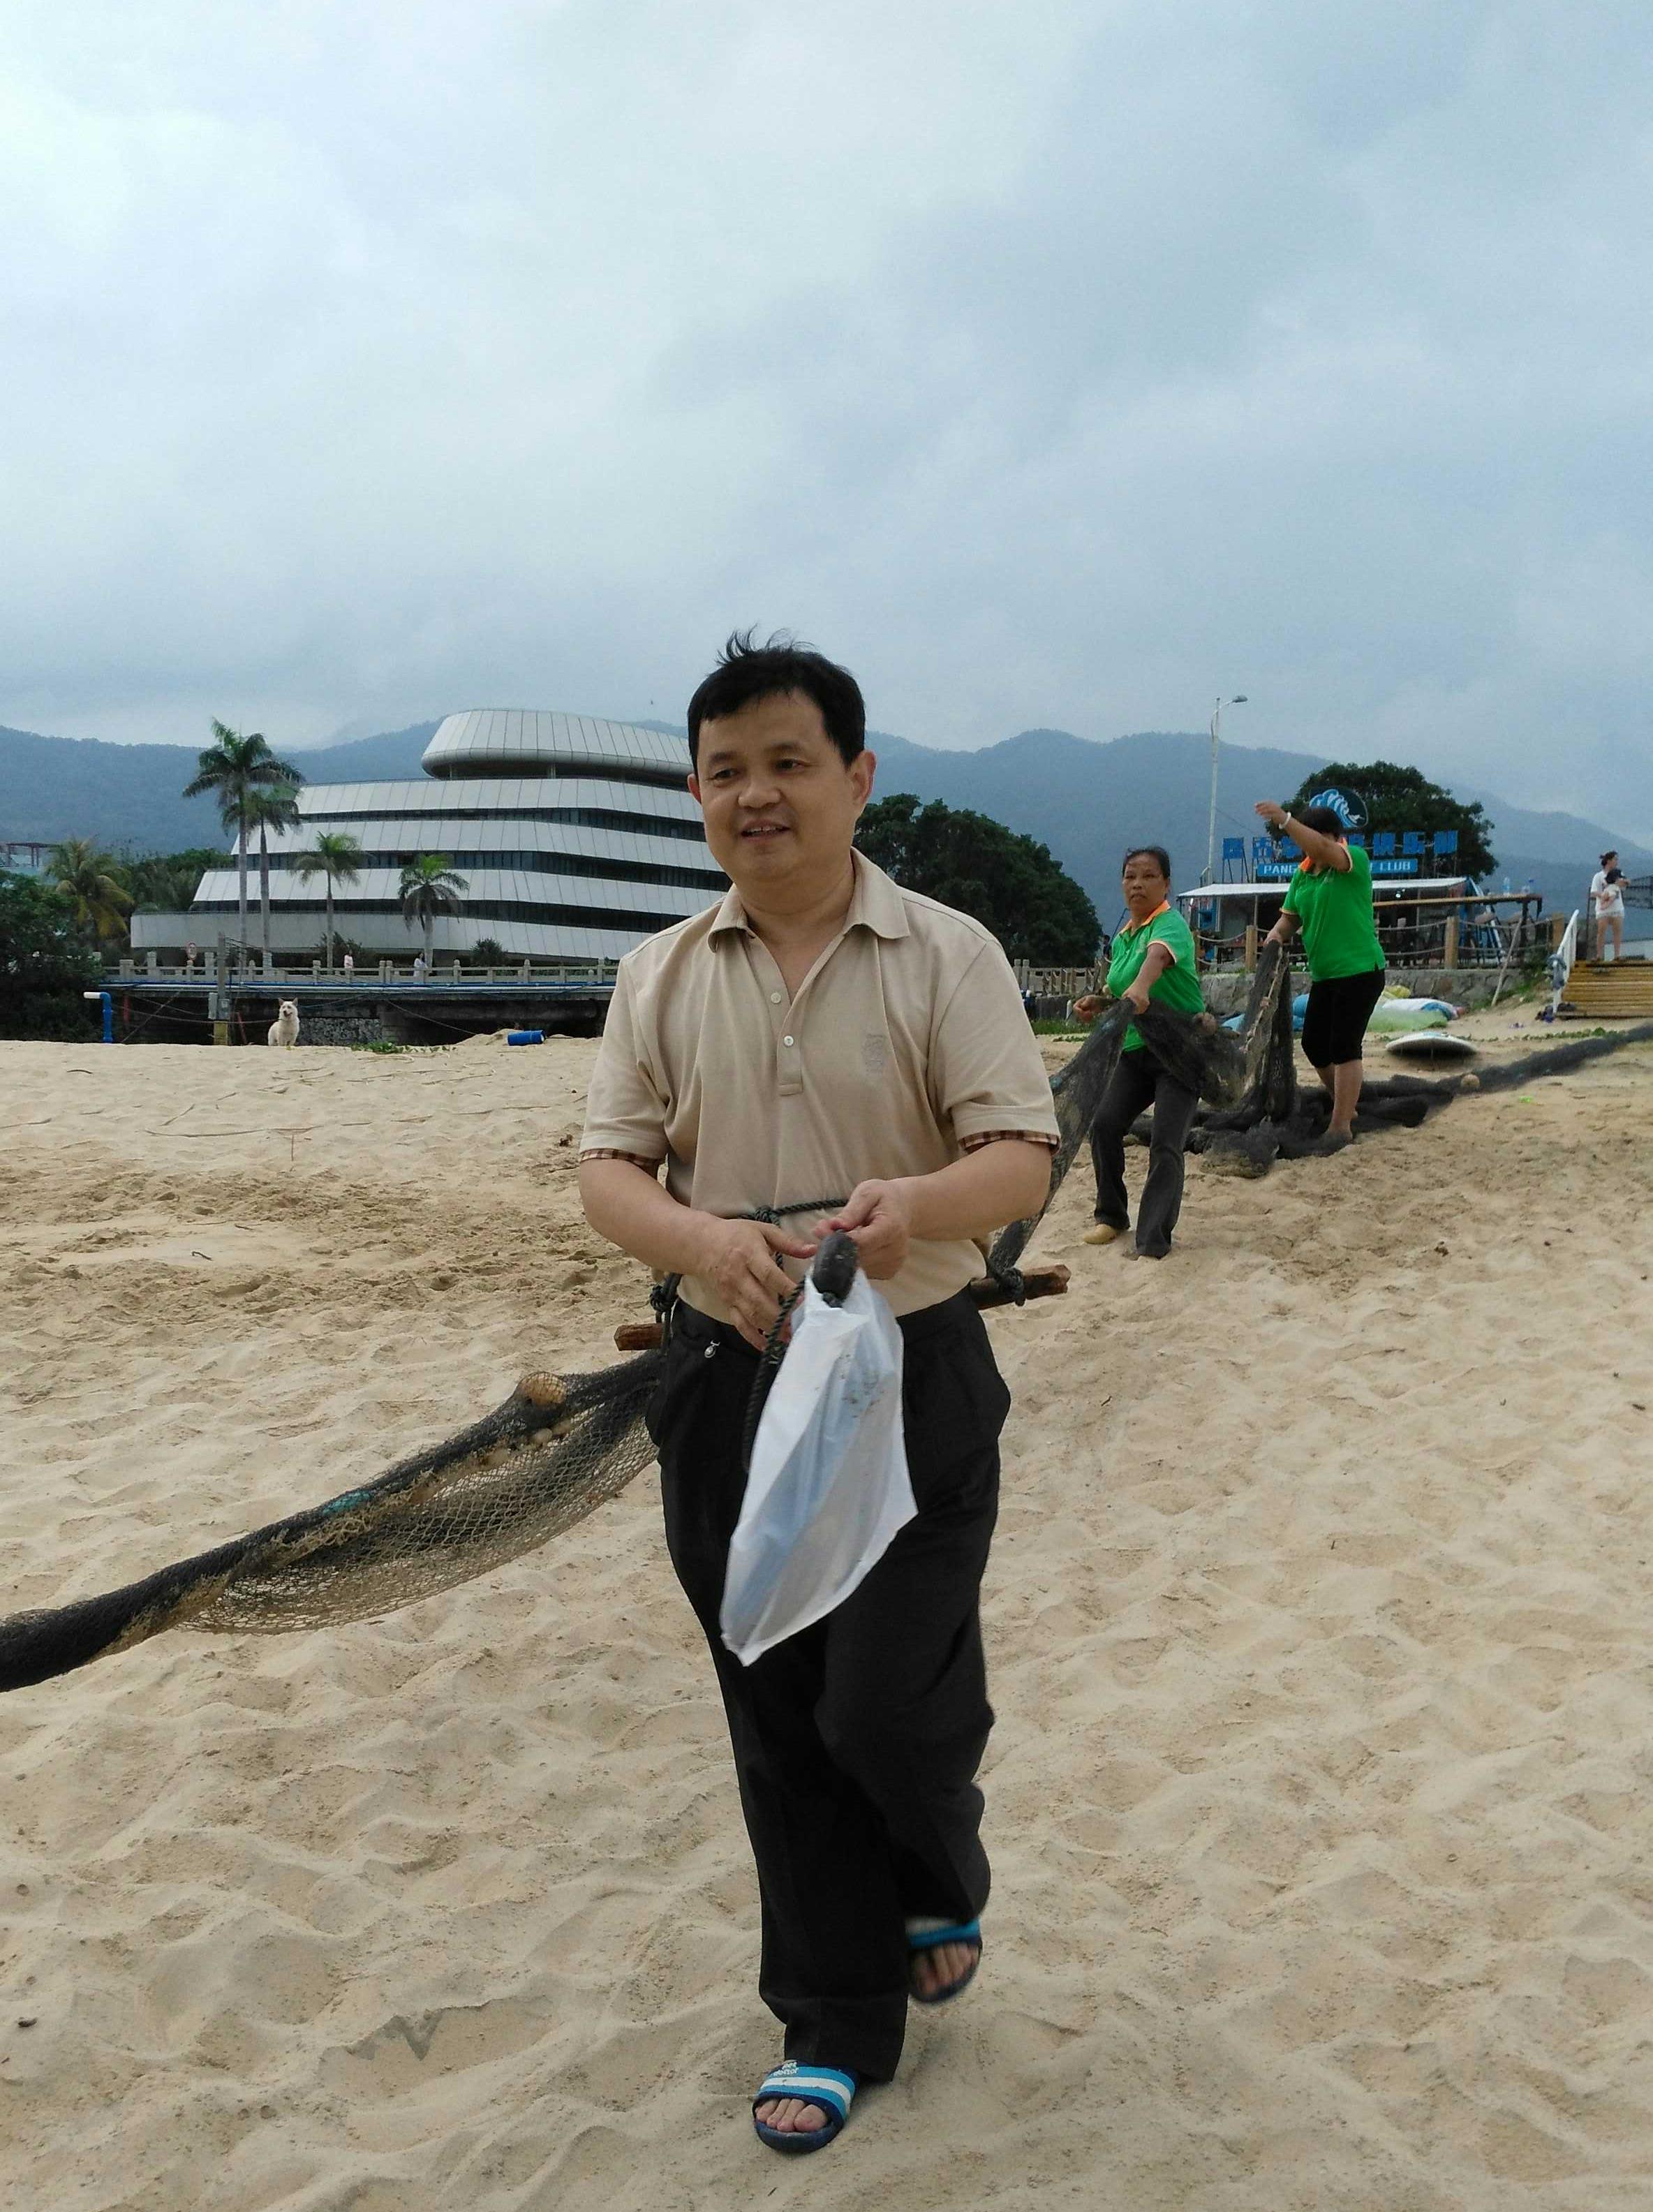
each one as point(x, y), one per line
point(1104, 1232)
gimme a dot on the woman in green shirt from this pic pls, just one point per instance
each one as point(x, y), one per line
point(1330, 900)
point(1153, 956)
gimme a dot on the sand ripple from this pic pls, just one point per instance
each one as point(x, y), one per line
point(1322, 1797)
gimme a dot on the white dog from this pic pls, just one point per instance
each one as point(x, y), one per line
point(284, 1030)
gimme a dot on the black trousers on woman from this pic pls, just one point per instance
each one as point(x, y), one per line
point(1138, 1082)
point(856, 1742)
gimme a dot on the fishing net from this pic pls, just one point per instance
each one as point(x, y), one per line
point(554, 1451)
point(560, 1446)
point(1248, 1139)
point(1246, 1075)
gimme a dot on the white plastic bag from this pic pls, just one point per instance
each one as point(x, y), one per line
point(828, 1487)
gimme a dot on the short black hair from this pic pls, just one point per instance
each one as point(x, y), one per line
point(747, 671)
point(1326, 819)
point(1612, 853)
point(1156, 853)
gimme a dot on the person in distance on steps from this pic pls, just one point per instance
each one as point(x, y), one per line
point(1607, 898)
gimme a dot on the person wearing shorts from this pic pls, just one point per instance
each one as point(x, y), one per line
point(1607, 898)
point(1329, 899)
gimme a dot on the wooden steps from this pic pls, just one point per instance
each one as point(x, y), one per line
point(1611, 990)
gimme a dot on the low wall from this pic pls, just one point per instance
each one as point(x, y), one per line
point(367, 1027)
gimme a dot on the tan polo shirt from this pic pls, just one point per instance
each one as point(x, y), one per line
point(906, 1040)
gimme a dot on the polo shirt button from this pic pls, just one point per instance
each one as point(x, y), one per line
point(786, 1040)
point(775, 998)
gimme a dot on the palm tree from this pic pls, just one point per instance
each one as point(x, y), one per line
point(232, 768)
point(430, 887)
point(86, 879)
point(269, 806)
point(337, 855)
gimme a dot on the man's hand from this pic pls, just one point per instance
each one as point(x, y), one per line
point(1137, 996)
point(1087, 1008)
point(739, 1258)
point(1272, 812)
point(879, 1219)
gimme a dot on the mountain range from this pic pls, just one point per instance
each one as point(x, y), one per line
point(1086, 800)
point(128, 796)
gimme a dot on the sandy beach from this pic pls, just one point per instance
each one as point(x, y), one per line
point(1321, 1801)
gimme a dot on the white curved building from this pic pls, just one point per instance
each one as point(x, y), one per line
point(576, 839)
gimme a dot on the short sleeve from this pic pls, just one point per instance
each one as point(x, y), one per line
point(625, 1105)
point(1291, 906)
point(986, 1073)
point(1174, 933)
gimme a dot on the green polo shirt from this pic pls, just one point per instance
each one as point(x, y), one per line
point(1334, 910)
point(1178, 987)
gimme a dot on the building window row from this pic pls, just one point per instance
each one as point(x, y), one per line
point(542, 864)
point(345, 910)
point(585, 817)
point(511, 768)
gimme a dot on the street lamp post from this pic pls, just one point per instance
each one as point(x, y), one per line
point(1238, 700)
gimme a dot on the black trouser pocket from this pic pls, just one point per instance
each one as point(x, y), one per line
point(954, 1405)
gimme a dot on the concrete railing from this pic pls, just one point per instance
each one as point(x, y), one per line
point(270, 975)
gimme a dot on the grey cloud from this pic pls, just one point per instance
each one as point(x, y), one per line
point(1054, 365)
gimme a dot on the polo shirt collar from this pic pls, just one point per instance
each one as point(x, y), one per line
point(876, 904)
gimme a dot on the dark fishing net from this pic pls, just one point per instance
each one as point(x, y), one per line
point(1559, 1059)
point(1246, 1140)
point(561, 1446)
point(1246, 1075)
point(554, 1451)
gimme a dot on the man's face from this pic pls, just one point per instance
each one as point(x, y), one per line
point(780, 802)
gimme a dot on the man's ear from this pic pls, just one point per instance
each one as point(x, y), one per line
point(862, 769)
point(693, 782)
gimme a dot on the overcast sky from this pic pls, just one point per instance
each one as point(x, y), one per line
point(1049, 363)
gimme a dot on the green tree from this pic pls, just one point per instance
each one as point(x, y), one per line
point(1008, 883)
point(488, 952)
point(1399, 798)
point(87, 880)
point(337, 855)
point(166, 882)
point(272, 807)
point(430, 887)
point(46, 960)
point(231, 769)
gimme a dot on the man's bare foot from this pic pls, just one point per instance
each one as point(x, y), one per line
point(791, 2116)
point(938, 1969)
point(799, 2101)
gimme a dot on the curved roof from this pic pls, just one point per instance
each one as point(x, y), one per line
point(525, 741)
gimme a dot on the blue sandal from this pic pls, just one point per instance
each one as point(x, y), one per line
point(828, 2087)
point(928, 1935)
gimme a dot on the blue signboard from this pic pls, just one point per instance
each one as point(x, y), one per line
point(1392, 855)
point(1275, 871)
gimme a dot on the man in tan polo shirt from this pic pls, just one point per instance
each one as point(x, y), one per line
point(823, 1035)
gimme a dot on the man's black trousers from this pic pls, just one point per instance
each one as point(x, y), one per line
point(856, 1742)
point(1138, 1081)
